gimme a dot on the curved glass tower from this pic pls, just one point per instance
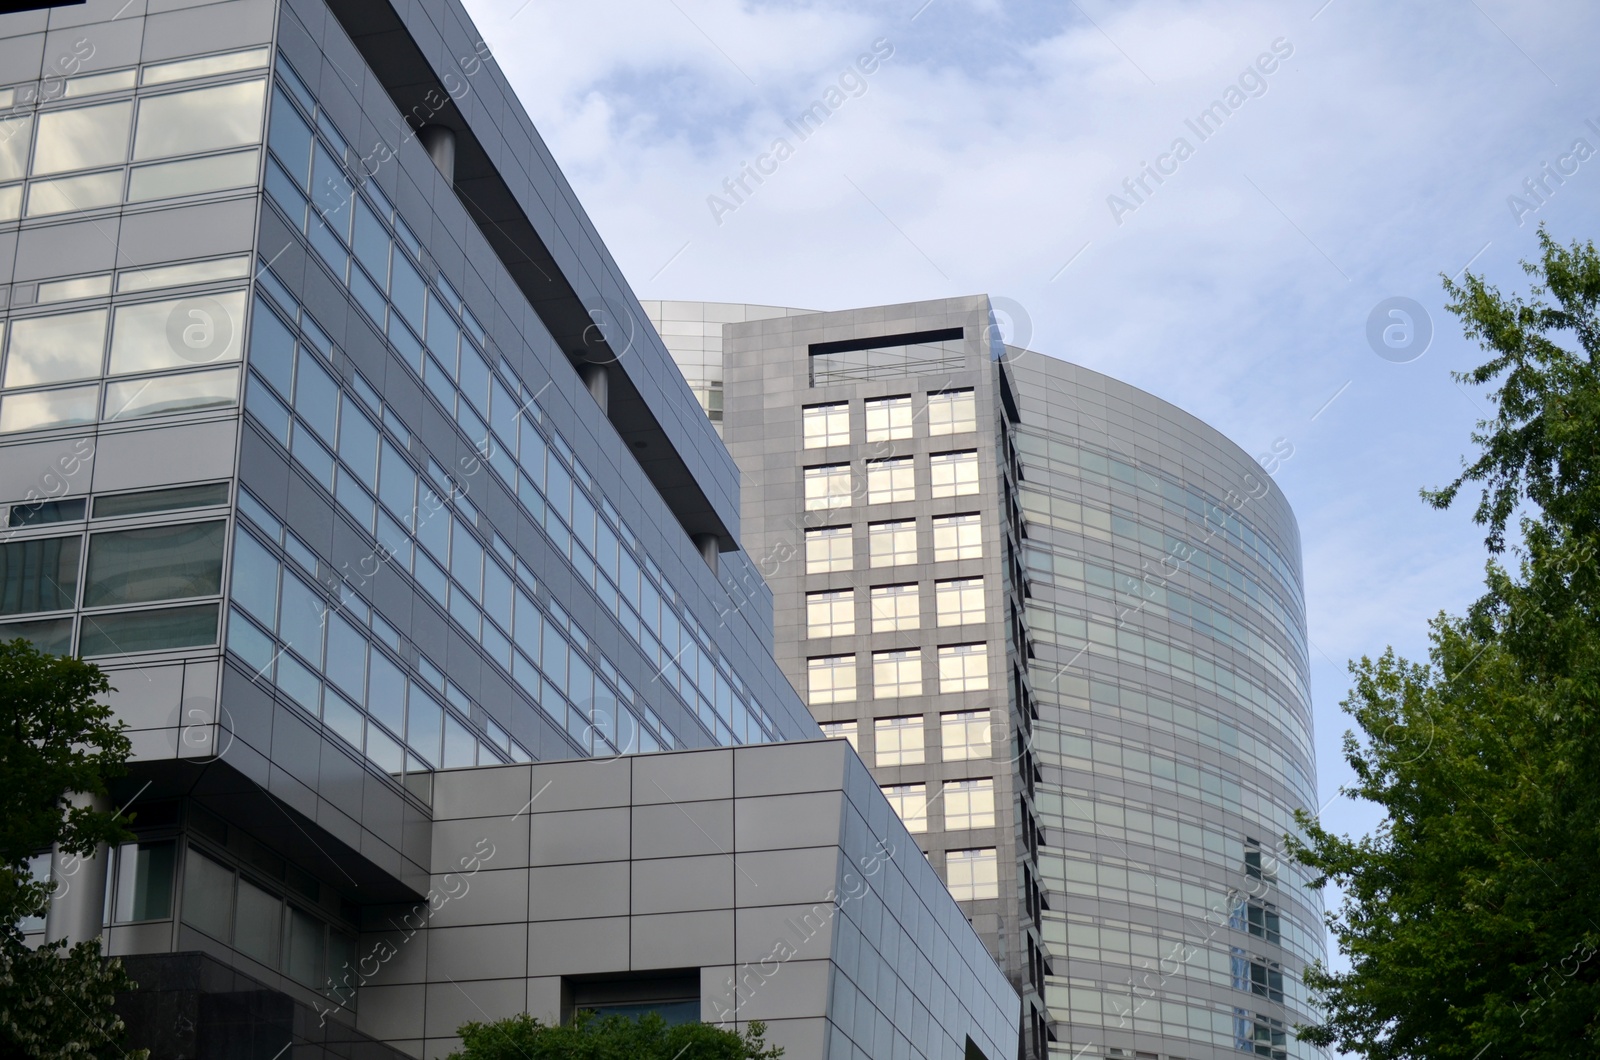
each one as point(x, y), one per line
point(1159, 737)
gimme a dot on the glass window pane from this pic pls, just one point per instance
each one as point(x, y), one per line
point(255, 579)
point(129, 631)
point(460, 749)
point(895, 607)
point(192, 176)
point(87, 192)
point(889, 418)
point(968, 804)
point(144, 882)
point(827, 487)
point(424, 725)
point(39, 574)
point(186, 273)
point(954, 474)
point(70, 290)
point(257, 928)
point(831, 614)
point(899, 741)
point(316, 396)
point(965, 735)
point(972, 874)
point(386, 692)
point(910, 804)
point(52, 636)
point(207, 895)
point(345, 720)
point(407, 292)
point(347, 656)
point(891, 544)
point(11, 202)
point(181, 333)
point(371, 243)
point(176, 499)
point(897, 673)
point(272, 349)
point(831, 679)
point(290, 139)
point(957, 537)
point(205, 119)
point(82, 137)
point(305, 958)
point(824, 425)
point(960, 602)
point(172, 393)
point(951, 412)
point(154, 563)
point(829, 549)
point(15, 136)
point(964, 668)
point(205, 66)
point(43, 513)
point(57, 348)
point(49, 408)
point(891, 481)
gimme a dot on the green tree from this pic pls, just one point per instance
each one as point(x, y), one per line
point(57, 736)
point(592, 1037)
point(1471, 916)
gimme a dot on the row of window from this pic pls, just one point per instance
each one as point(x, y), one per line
point(890, 481)
point(964, 735)
point(957, 602)
point(888, 419)
point(895, 674)
point(894, 543)
point(964, 804)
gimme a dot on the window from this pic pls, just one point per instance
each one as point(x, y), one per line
point(829, 549)
point(897, 673)
point(831, 679)
point(43, 513)
point(49, 408)
point(952, 412)
point(831, 614)
point(181, 333)
point(207, 895)
point(179, 497)
point(888, 418)
point(257, 926)
point(164, 395)
point(898, 741)
point(15, 136)
point(959, 602)
point(119, 633)
point(889, 481)
point(827, 486)
point(1262, 921)
point(910, 802)
point(205, 119)
point(825, 425)
point(964, 668)
point(841, 730)
point(82, 137)
point(39, 574)
point(192, 176)
point(891, 544)
point(74, 193)
point(857, 360)
point(55, 349)
point(143, 882)
point(154, 563)
point(965, 735)
point(972, 875)
point(894, 607)
point(954, 474)
point(969, 803)
point(957, 537)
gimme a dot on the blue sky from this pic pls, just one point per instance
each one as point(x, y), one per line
point(981, 155)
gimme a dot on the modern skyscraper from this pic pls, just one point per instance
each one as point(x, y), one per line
point(331, 430)
point(1062, 621)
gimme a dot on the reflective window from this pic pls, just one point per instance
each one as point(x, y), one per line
point(891, 544)
point(897, 673)
point(965, 735)
point(959, 602)
point(82, 137)
point(910, 804)
point(258, 924)
point(954, 474)
point(49, 408)
point(824, 425)
point(831, 614)
point(88, 192)
point(143, 886)
point(957, 537)
point(180, 333)
point(207, 895)
point(77, 287)
point(192, 176)
point(172, 393)
point(952, 412)
point(972, 874)
point(205, 119)
point(39, 574)
point(120, 632)
point(827, 486)
point(56, 348)
point(963, 668)
point(829, 548)
point(15, 135)
point(841, 730)
point(895, 607)
point(185, 273)
point(205, 66)
point(968, 804)
point(898, 741)
point(892, 480)
point(174, 499)
point(831, 679)
point(154, 563)
point(888, 418)
point(304, 958)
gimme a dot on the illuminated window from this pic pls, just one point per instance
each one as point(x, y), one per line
point(888, 418)
point(898, 741)
point(963, 668)
point(972, 874)
point(889, 481)
point(827, 486)
point(841, 730)
point(894, 607)
point(965, 735)
point(957, 537)
point(910, 802)
point(824, 425)
point(891, 544)
point(969, 804)
point(829, 549)
point(831, 679)
point(959, 602)
point(954, 474)
point(831, 614)
point(897, 673)
point(952, 412)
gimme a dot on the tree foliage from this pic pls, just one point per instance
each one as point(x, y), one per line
point(57, 736)
point(592, 1037)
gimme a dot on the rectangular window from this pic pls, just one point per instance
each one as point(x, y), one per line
point(965, 735)
point(831, 614)
point(65, 194)
point(831, 679)
point(972, 875)
point(827, 486)
point(954, 474)
point(825, 425)
point(895, 607)
point(204, 119)
point(154, 563)
point(898, 741)
point(207, 895)
point(892, 480)
point(192, 176)
point(121, 632)
point(884, 356)
point(40, 574)
point(15, 136)
point(49, 408)
point(82, 137)
point(55, 349)
point(43, 513)
point(257, 928)
point(888, 418)
point(306, 938)
point(841, 730)
point(181, 333)
point(910, 803)
point(957, 537)
point(963, 668)
point(968, 804)
point(181, 275)
point(828, 549)
point(144, 882)
point(952, 412)
point(897, 673)
point(165, 395)
point(891, 544)
point(959, 602)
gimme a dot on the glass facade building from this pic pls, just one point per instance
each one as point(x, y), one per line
point(920, 496)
